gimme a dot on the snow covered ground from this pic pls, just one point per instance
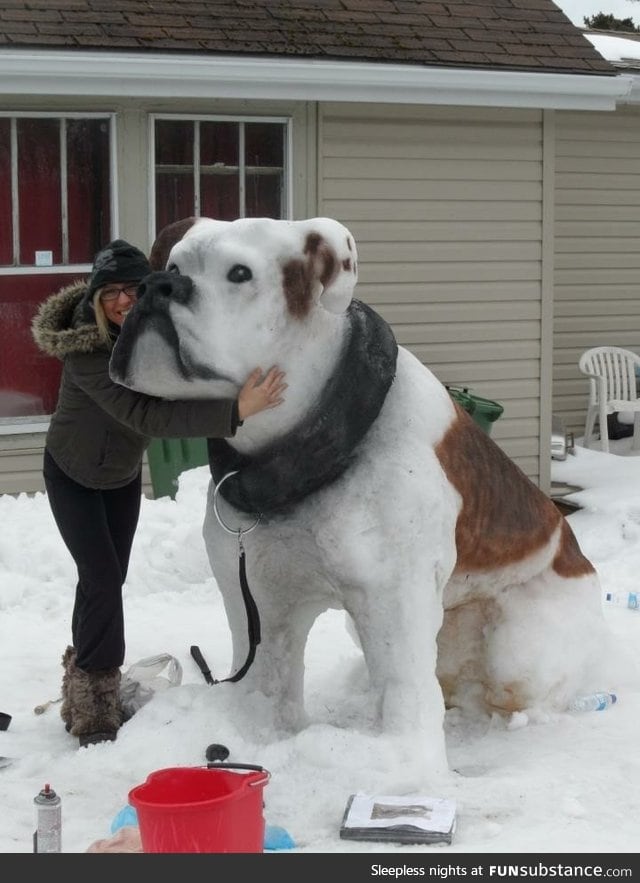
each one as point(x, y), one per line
point(568, 783)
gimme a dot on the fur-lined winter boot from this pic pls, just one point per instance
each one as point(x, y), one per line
point(68, 657)
point(95, 709)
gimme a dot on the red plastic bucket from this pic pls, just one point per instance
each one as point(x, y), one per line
point(201, 809)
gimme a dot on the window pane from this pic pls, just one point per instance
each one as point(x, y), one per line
point(39, 188)
point(219, 176)
point(6, 228)
point(88, 188)
point(174, 171)
point(264, 144)
point(174, 197)
point(263, 195)
point(174, 142)
point(264, 161)
point(220, 196)
point(219, 143)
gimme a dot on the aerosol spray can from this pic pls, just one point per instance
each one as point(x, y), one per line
point(48, 834)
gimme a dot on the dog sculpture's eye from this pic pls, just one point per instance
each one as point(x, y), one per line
point(239, 273)
point(173, 268)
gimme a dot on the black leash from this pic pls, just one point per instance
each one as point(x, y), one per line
point(202, 665)
point(253, 616)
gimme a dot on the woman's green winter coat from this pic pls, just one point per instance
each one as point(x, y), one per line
point(100, 430)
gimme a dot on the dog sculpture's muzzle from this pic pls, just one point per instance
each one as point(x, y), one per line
point(151, 312)
point(150, 354)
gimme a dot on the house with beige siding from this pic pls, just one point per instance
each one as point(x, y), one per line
point(597, 231)
point(483, 155)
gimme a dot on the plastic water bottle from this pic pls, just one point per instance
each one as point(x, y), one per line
point(593, 702)
point(624, 599)
point(48, 834)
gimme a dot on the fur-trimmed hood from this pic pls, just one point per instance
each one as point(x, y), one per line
point(65, 324)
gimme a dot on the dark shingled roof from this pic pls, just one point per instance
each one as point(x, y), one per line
point(524, 35)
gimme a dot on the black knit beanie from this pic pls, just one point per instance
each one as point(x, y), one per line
point(119, 261)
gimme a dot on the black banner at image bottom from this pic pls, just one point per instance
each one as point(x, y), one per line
point(352, 867)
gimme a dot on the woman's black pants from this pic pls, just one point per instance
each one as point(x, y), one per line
point(98, 527)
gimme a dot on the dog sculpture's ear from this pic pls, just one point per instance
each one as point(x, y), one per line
point(165, 240)
point(331, 251)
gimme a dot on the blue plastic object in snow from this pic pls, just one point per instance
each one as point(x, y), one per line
point(277, 838)
point(126, 816)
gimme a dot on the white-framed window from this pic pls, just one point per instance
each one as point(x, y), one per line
point(219, 166)
point(57, 174)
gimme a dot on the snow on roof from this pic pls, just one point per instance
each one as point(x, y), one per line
point(622, 51)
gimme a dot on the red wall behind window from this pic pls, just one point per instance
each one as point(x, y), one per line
point(28, 379)
point(219, 143)
point(39, 189)
point(264, 144)
point(88, 188)
point(220, 197)
point(174, 198)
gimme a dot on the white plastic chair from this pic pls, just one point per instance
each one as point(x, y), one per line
point(612, 387)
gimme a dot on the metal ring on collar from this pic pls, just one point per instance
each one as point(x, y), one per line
point(236, 531)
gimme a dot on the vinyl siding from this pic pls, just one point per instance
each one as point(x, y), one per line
point(21, 465)
point(597, 247)
point(446, 206)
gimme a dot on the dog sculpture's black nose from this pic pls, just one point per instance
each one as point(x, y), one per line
point(161, 286)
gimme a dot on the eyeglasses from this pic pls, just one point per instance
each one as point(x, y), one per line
point(112, 292)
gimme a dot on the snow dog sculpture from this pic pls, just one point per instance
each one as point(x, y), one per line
point(376, 492)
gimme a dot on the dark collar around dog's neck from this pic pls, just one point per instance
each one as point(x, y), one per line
point(321, 447)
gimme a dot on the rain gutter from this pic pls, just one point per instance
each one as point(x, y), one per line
point(162, 75)
point(633, 96)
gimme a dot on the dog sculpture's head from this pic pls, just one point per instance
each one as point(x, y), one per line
point(226, 296)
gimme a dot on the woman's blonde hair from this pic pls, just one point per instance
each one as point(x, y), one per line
point(101, 320)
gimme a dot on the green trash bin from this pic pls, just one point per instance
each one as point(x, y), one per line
point(168, 457)
point(484, 411)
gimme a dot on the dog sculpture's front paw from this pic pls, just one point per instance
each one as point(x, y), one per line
point(290, 718)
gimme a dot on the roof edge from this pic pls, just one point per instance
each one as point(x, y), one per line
point(633, 97)
point(163, 75)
